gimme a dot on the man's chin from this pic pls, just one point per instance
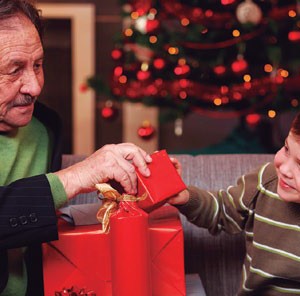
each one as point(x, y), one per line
point(20, 121)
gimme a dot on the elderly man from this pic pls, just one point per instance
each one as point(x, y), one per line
point(32, 186)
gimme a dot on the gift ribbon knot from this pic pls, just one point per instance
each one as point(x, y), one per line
point(111, 199)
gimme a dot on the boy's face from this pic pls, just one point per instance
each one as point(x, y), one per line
point(287, 163)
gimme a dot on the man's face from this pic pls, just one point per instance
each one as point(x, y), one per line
point(287, 163)
point(21, 71)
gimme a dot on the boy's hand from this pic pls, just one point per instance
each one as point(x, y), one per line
point(182, 197)
point(179, 199)
point(176, 164)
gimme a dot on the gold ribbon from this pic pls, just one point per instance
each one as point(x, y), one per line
point(111, 199)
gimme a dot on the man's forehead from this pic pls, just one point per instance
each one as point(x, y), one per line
point(19, 33)
point(14, 22)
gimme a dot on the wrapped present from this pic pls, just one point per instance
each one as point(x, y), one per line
point(167, 253)
point(163, 182)
point(82, 256)
point(130, 249)
point(128, 225)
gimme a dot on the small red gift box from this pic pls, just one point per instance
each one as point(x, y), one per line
point(82, 257)
point(163, 182)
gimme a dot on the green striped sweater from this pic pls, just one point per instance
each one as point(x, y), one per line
point(271, 227)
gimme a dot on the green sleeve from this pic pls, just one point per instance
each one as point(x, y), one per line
point(58, 191)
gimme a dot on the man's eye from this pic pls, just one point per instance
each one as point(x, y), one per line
point(38, 66)
point(14, 71)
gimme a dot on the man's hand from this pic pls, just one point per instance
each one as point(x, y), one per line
point(111, 162)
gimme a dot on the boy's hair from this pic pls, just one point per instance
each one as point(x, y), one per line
point(295, 128)
point(9, 8)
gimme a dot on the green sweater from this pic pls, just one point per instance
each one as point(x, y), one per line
point(271, 227)
point(25, 153)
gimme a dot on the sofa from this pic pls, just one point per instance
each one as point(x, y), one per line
point(216, 259)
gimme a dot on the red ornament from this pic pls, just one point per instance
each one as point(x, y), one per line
point(118, 71)
point(141, 6)
point(83, 87)
point(294, 36)
point(151, 90)
point(279, 79)
point(145, 25)
point(182, 69)
point(227, 2)
point(109, 112)
point(116, 54)
point(237, 96)
point(240, 65)
point(219, 70)
point(152, 25)
point(159, 63)
point(143, 75)
point(197, 12)
point(146, 131)
point(253, 119)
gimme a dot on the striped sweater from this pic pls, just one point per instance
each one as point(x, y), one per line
point(271, 227)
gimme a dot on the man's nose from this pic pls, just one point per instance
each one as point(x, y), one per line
point(31, 84)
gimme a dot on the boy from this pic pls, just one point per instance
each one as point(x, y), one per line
point(265, 205)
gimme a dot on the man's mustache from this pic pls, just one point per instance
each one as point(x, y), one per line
point(24, 101)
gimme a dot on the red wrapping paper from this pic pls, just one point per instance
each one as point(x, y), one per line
point(130, 251)
point(167, 252)
point(82, 257)
point(163, 182)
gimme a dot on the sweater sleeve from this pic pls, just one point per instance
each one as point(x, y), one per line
point(27, 213)
point(58, 191)
point(225, 209)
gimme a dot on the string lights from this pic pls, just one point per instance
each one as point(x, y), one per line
point(226, 58)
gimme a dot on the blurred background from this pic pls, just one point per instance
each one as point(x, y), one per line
point(189, 76)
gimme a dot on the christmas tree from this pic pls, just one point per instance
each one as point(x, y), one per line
point(220, 58)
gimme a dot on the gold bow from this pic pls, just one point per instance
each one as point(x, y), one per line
point(111, 199)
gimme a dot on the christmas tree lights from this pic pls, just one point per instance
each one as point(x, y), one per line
point(220, 58)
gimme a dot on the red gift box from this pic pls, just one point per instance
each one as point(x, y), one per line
point(166, 248)
point(82, 257)
point(163, 182)
point(130, 249)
